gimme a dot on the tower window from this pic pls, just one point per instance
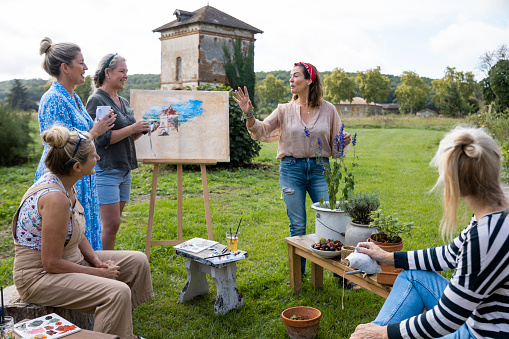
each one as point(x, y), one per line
point(178, 71)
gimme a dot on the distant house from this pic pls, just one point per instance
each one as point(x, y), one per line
point(391, 108)
point(427, 112)
point(358, 107)
point(192, 46)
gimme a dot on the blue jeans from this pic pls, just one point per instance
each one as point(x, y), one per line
point(296, 177)
point(412, 293)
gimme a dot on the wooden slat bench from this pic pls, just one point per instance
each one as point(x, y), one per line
point(300, 246)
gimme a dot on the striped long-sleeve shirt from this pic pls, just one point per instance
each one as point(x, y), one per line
point(478, 292)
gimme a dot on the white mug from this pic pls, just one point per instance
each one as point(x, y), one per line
point(101, 111)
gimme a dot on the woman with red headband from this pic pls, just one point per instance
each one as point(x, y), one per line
point(297, 125)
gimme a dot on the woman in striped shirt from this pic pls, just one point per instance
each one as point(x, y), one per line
point(475, 302)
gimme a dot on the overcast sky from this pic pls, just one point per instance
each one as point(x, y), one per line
point(424, 36)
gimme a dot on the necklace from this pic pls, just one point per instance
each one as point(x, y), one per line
point(308, 111)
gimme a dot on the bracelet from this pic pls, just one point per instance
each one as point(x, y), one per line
point(249, 115)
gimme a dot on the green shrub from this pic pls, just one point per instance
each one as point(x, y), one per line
point(242, 148)
point(15, 136)
point(360, 205)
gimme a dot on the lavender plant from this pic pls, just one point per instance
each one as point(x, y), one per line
point(339, 179)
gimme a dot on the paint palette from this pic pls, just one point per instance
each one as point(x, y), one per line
point(49, 326)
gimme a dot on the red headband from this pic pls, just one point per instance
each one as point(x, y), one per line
point(309, 68)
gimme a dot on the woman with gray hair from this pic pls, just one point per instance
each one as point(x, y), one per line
point(60, 104)
point(114, 146)
point(474, 303)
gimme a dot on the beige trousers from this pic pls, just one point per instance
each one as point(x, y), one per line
point(111, 301)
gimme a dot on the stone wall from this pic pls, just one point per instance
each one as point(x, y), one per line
point(200, 47)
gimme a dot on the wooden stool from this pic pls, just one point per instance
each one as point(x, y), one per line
point(224, 275)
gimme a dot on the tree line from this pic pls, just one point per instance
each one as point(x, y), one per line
point(455, 94)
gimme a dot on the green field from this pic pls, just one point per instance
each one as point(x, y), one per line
point(393, 160)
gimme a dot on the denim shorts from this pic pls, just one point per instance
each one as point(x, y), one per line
point(113, 185)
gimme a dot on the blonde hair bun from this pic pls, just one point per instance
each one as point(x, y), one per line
point(45, 45)
point(56, 136)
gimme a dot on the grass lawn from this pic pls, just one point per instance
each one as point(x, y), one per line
point(392, 161)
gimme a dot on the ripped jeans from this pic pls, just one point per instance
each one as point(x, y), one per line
point(296, 177)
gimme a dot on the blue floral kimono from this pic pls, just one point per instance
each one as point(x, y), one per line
point(57, 105)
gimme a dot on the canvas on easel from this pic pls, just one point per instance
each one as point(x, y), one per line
point(187, 127)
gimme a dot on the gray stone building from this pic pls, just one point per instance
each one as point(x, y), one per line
point(192, 46)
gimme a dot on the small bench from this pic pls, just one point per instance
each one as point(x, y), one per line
point(224, 275)
point(300, 246)
point(21, 310)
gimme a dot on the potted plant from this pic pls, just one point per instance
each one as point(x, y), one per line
point(301, 322)
point(389, 237)
point(359, 207)
point(331, 220)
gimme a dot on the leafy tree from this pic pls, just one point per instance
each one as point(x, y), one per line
point(84, 90)
point(270, 93)
point(17, 97)
point(242, 148)
point(453, 92)
point(490, 58)
point(373, 86)
point(412, 93)
point(239, 66)
point(339, 86)
point(140, 81)
point(15, 137)
point(495, 88)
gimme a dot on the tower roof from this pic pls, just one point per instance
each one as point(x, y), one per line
point(209, 15)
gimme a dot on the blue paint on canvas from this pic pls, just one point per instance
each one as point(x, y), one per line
point(188, 110)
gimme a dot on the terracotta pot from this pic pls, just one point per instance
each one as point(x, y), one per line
point(301, 329)
point(389, 273)
point(387, 246)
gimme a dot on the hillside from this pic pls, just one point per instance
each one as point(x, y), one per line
point(35, 87)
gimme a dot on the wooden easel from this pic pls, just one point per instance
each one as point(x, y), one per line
point(149, 242)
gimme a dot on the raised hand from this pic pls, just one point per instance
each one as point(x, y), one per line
point(241, 97)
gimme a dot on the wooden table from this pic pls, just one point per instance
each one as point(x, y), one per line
point(83, 334)
point(224, 275)
point(300, 246)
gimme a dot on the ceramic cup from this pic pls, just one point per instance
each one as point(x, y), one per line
point(101, 111)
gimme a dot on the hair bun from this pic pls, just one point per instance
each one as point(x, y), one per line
point(469, 146)
point(45, 45)
point(56, 136)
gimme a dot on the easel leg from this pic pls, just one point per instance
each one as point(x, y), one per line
point(153, 192)
point(196, 283)
point(228, 296)
point(179, 203)
point(206, 201)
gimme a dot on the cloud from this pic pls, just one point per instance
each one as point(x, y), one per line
point(461, 44)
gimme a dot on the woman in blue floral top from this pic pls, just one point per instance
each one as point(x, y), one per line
point(60, 104)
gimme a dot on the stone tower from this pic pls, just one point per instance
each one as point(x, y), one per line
point(192, 46)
